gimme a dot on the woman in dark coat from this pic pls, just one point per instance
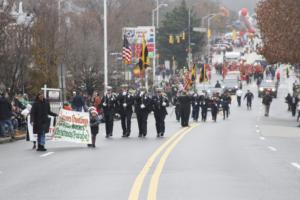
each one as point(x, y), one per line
point(41, 122)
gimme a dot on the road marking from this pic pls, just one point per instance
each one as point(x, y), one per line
point(272, 148)
point(256, 126)
point(261, 138)
point(47, 154)
point(136, 188)
point(257, 131)
point(152, 192)
point(295, 165)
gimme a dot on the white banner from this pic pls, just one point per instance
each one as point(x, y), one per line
point(73, 126)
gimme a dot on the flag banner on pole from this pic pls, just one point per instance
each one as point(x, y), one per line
point(187, 81)
point(144, 59)
point(126, 53)
point(73, 127)
point(203, 74)
point(194, 73)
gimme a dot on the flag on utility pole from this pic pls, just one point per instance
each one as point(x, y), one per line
point(194, 74)
point(144, 59)
point(126, 53)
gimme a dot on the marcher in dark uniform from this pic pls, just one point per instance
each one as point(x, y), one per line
point(294, 102)
point(142, 107)
point(185, 108)
point(214, 109)
point(225, 102)
point(204, 107)
point(249, 96)
point(218, 85)
point(125, 102)
point(177, 107)
point(41, 122)
point(195, 106)
point(108, 104)
point(160, 103)
point(267, 100)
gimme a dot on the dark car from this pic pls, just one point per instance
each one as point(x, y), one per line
point(230, 85)
point(268, 85)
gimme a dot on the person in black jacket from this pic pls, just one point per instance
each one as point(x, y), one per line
point(41, 122)
point(288, 100)
point(125, 102)
point(214, 109)
point(195, 106)
point(5, 116)
point(294, 101)
point(225, 102)
point(249, 96)
point(77, 103)
point(267, 100)
point(177, 107)
point(204, 104)
point(142, 107)
point(108, 104)
point(185, 108)
point(160, 103)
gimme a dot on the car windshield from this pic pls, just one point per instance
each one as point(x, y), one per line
point(267, 84)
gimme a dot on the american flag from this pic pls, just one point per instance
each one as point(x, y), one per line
point(126, 54)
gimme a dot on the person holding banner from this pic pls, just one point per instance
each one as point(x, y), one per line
point(40, 120)
point(94, 123)
point(108, 104)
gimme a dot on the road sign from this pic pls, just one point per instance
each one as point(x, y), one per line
point(200, 29)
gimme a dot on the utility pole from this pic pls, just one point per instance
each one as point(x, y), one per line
point(105, 45)
point(189, 51)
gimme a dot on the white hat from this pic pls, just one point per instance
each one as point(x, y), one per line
point(92, 108)
point(94, 111)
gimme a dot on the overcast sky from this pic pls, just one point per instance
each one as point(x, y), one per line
point(238, 4)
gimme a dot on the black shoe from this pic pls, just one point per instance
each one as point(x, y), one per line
point(158, 135)
point(110, 134)
point(107, 136)
point(93, 146)
point(41, 148)
point(140, 135)
point(124, 136)
point(162, 134)
point(89, 145)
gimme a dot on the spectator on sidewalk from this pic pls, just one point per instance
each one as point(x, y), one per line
point(5, 116)
point(288, 100)
point(78, 102)
point(294, 102)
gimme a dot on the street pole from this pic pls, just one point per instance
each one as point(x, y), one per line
point(189, 51)
point(105, 45)
point(157, 14)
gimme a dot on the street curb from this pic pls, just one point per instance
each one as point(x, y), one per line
point(9, 139)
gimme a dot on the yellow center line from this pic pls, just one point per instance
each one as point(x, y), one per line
point(136, 188)
point(152, 192)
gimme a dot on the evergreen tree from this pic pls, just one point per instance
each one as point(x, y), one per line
point(175, 23)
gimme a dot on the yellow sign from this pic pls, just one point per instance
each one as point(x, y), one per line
point(208, 33)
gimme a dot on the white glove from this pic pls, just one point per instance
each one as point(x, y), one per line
point(142, 106)
point(104, 104)
point(124, 105)
point(164, 104)
point(124, 93)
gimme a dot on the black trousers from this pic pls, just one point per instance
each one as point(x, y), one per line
point(126, 123)
point(109, 123)
point(160, 122)
point(142, 118)
point(239, 100)
point(225, 113)
point(177, 113)
point(249, 104)
point(204, 115)
point(185, 117)
point(293, 107)
point(214, 115)
point(195, 113)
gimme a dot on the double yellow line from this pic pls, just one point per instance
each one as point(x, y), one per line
point(169, 145)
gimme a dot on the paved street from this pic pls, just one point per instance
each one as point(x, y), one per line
point(247, 156)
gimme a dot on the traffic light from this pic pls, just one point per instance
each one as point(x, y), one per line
point(171, 39)
point(183, 35)
point(178, 39)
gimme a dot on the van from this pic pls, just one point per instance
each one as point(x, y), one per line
point(232, 56)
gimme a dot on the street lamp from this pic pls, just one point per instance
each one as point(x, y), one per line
point(157, 26)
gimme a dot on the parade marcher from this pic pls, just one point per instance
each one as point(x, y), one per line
point(239, 94)
point(267, 100)
point(294, 102)
point(204, 109)
point(94, 124)
point(77, 102)
point(177, 106)
point(40, 120)
point(185, 108)
point(225, 102)
point(160, 103)
point(142, 107)
point(249, 96)
point(108, 104)
point(125, 102)
point(218, 85)
point(195, 106)
point(288, 100)
point(214, 109)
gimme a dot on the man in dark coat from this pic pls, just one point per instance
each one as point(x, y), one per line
point(249, 96)
point(225, 102)
point(267, 100)
point(294, 101)
point(185, 108)
point(214, 109)
point(5, 116)
point(108, 104)
point(142, 107)
point(159, 103)
point(195, 106)
point(125, 102)
point(204, 104)
point(177, 107)
point(77, 103)
point(288, 100)
point(41, 122)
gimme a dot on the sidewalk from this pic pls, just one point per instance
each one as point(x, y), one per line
point(20, 135)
